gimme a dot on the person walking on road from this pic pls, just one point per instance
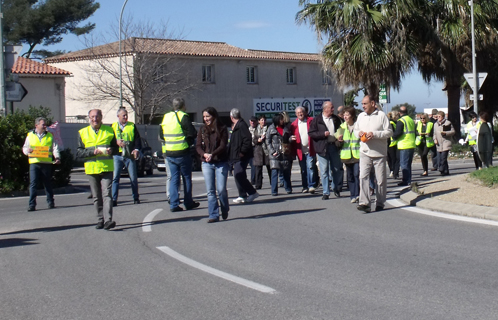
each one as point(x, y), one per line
point(424, 141)
point(304, 149)
point(350, 153)
point(443, 131)
point(472, 129)
point(322, 130)
point(179, 134)
point(373, 129)
point(280, 153)
point(41, 148)
point(96, 146)
point(405, 138)
point(240, 151)
point(211, 145)
point(260, 158)
point(128, 140)
point(392, 150)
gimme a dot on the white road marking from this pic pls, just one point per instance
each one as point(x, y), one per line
point(244, 282)
point(393, 201)
point(146, 223)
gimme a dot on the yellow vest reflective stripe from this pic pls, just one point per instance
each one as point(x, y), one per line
point(128, 134)
point(172, 132)
point(407, 139)
point(429, 141)
point(393, 141)
point(46, 141)
point(351, 145)
point(470, 126)
point(102, 162)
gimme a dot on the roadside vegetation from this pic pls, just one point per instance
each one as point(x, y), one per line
point(488, 177)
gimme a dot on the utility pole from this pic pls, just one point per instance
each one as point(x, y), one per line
point(120, 63)
point(3, 104)
point(474, 67)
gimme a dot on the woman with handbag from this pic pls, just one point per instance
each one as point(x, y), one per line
point(260, 152)
point(280, 153)
point(212, 141)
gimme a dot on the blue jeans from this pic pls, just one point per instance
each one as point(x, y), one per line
point(40, 172)
point(286, 173)
point(331, 162)
point(216, 171)
point(307, 165)
point(353, 173)
point(180, 166)
point(405, 162)
point(131, 165)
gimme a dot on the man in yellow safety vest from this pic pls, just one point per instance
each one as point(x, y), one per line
point(41, 147)
point(96, 145)
point(405, 136)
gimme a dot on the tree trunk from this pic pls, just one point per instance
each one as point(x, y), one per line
point(454, 108)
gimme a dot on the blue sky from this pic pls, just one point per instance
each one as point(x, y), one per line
point(257, 24)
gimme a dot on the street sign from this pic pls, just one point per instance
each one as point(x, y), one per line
point(471, 98)
point(15, 91)
point(384, 94)
point(470, 80)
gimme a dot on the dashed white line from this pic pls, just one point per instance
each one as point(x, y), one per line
point(146, 223)
point(244, 282)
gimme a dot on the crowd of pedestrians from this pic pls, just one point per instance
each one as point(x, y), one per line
point(324, 146)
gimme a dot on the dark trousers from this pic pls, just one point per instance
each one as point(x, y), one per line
point(443, 162)
point(393, 160)
point(40, 172)
point(243, 185)
point(258, 174)
point(477, 160)
point(435, 162)
point(424, 152)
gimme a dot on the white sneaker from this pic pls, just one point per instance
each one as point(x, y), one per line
point(312, 190)
point(239, 200)
point(252, 197)
point(355, 200)
point(391, 174)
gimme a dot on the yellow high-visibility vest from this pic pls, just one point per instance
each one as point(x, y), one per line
point(393, 141)
point(351, 145)
point(429, 141)
point(407, 139)
point(102, 162)
point(127, 134)
point(469, 137)
point(46, 141)
point(172, 132)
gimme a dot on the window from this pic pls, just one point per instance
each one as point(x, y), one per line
point(326, 77)
point(159, 74)
point(252, 74)
point(291, 76)
point(208, 74)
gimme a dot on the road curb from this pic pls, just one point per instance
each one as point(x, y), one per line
point(461, 209)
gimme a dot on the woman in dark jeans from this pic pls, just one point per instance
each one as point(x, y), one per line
point(424, 141)
point(211, 144)
point(280, 153)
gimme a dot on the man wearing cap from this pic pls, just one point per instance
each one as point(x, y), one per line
point(405, 137)
point(96, 146)
point(40, 147)
point(128, 140)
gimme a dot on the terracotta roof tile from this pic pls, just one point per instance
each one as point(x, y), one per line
point(182, 48)
point(28, 66)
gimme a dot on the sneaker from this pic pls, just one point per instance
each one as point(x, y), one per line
point(239, 200)
point(251, 197)
point(114, 203)
point(337, 194)
point(31, 209)
point(354, 200)
point(325, 197)
point(176, 209)
point(194, 205)
point(312, 190)
point(281, 184)
point(391, 174)
point(402, 184)
point(364, 208)
point(136, 201)
point(100, 224)
point(305, 191)
point(51, 206)
point(379, 208)
point(214, 220)
point(109, 225)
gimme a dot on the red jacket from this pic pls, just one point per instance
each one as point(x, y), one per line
point(298, 146)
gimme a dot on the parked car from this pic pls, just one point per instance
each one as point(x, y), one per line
point(145, 163)
point(196, 158)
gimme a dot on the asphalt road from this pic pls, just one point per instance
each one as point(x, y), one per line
point(287, 257)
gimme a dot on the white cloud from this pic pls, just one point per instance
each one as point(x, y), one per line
point(251, 24)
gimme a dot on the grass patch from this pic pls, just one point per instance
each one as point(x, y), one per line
point(488, 176)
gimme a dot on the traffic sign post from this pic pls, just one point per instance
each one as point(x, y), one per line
point(471, 81)
point(15, 91)
point(384, 94)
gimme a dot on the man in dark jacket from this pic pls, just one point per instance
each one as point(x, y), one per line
point(240, 152)
point(322, 129)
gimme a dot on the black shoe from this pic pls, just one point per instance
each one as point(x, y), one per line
point(325, 197)
point(136, 201)
point(194, 205)
point(337, 194)
point(289, 192)
point(402, 184)
point(364, 208)
point(379, 208)
point(100, 225)
point(176, 209)
point(51, 206)
point(274, 194)
point(224, 215)
point(31, 209)
point(114, 203)
point(214, 220)
point(109, 225)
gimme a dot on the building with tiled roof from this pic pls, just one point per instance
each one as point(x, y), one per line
point(204, 73)
point(45, 85)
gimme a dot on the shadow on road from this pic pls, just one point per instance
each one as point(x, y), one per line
point(50, 229)
point(16, 242)
point(276, 214)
